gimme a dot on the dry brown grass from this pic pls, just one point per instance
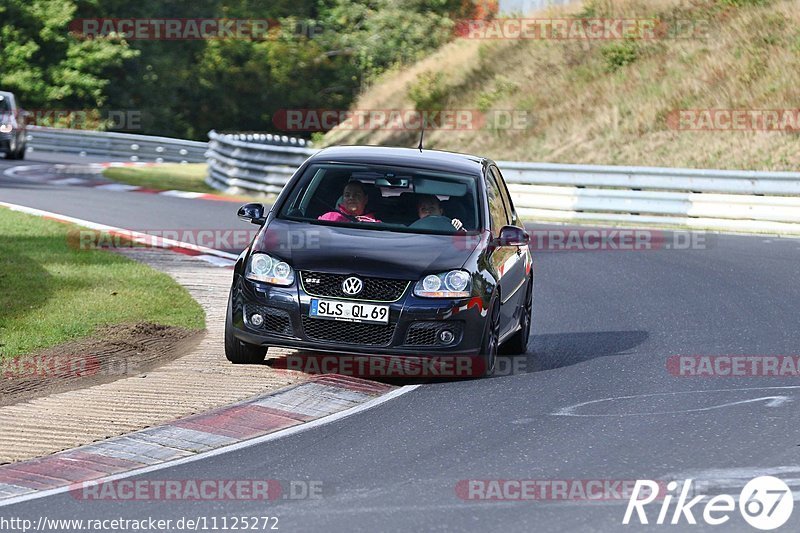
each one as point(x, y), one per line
point(586, 113)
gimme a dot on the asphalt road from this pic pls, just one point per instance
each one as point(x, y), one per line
point(605, 323)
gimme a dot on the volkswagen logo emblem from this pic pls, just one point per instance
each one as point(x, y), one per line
point(352, 286)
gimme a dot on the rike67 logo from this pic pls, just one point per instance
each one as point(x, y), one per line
point(766, 503)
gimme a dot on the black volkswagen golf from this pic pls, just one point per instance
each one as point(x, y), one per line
point(385, 251)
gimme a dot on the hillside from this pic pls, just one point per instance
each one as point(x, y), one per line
point(615, 101)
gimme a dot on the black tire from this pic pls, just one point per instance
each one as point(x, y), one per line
point(518, 343)
point(491, 339)
point(236, 351)
point(19, 153)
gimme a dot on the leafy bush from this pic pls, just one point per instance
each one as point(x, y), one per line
point(429, 91)
point(502, 87)
point(618, 55)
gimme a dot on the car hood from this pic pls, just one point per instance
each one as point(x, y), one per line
point(345, 250)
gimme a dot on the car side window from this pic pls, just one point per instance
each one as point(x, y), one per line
point(497, 211)
point(501, 185)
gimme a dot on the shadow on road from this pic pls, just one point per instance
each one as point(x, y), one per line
point(555, 350)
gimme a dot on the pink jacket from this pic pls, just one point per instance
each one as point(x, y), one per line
point(338, 216)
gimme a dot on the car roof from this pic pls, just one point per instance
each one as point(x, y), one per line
point(406, 157)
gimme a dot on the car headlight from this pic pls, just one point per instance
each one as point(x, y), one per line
point(6, 128)
point(453, 284)
point(263, 267)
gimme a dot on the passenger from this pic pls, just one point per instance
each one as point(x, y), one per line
point(428, 205)
point(353, 206)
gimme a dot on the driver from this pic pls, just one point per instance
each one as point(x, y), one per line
point(353, 206)
point(428, 205)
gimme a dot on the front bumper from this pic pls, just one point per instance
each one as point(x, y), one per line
point(288, 324)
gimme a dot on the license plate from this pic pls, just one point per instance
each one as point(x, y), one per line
point(349, 311)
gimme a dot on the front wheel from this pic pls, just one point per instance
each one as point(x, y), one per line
point(12, 149)
point(491, 341)
point(236, 351)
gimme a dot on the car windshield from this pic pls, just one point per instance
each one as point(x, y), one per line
point(5, 104)
point(385, 198)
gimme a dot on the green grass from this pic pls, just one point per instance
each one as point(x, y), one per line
point(53, 292)
point(169, 176)
point(190, 177)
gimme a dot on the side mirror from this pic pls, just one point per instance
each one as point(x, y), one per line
point(512, 236)
point(253, 213)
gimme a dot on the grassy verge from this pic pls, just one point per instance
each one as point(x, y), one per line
point(612, 101)
point(53, 293)
point(169, 176)
point(189, 177)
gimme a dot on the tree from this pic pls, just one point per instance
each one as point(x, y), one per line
point(48, 67)
point(184, 88)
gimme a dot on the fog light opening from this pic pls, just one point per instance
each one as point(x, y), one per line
point(256, 319)
point(446, 336)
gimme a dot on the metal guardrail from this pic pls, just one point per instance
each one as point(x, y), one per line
point(660, 178)
point(253, 162)
point(727, 200)
point(116, 146)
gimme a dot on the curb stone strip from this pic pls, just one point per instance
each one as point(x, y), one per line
point(221, 427)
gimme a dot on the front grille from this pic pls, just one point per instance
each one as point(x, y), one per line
point(427, 333)
point(375, 289)
point(348, 332)
point(275, 320)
